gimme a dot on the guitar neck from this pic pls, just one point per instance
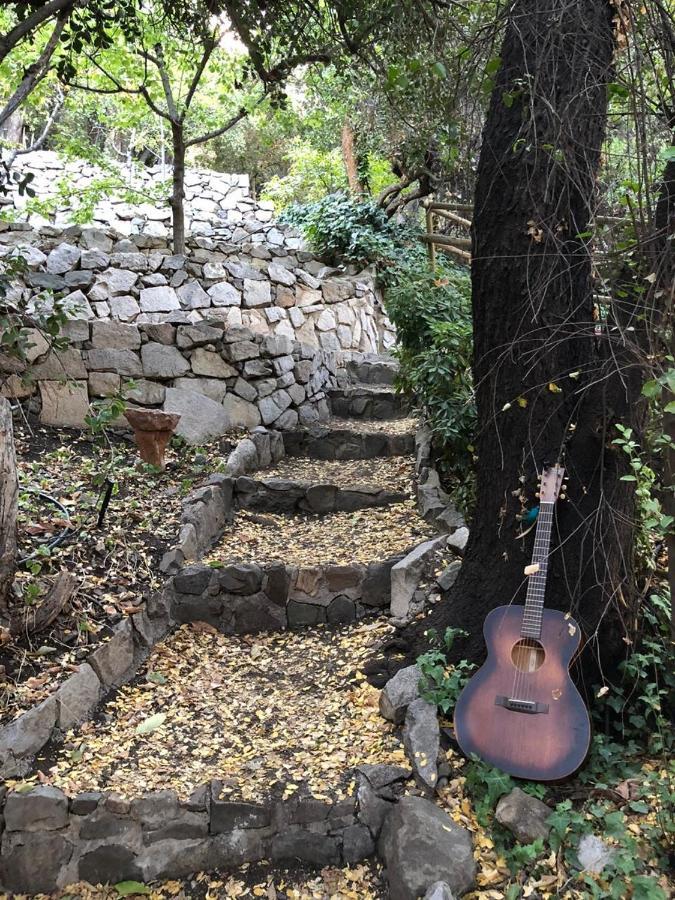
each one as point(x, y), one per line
point(536, 583)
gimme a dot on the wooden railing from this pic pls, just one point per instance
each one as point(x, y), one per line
point(458, 215)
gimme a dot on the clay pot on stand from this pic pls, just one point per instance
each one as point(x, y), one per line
point(152, 430)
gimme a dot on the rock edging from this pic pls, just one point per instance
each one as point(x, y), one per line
point(51, 840)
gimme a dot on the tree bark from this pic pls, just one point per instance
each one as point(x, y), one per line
point(349, 158)
point(547, 384)
point(178, 192)
point(9, 495)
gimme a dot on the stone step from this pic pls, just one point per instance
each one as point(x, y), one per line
point(373, 369)
point(368, 401)
point(341, 443)
point(250, 751)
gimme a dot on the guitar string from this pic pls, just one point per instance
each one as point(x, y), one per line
point(533, 614)
point(534, 601)
point(539, 586)
point(531, 620)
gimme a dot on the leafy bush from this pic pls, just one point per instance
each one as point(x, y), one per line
point(343, 230)
point(312, 175)
point(432, 315)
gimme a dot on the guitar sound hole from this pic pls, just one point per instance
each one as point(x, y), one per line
point(527, 655)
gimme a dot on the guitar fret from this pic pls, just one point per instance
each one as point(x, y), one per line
point(536, 585)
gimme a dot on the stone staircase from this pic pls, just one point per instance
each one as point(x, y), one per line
point(241, 595)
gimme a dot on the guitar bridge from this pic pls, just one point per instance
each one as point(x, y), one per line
point(531, 707)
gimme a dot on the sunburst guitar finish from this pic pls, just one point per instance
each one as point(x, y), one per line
point(521, 711)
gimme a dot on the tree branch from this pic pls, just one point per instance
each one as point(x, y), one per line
point(210, 135)
point(158, 60)
point(32, 22)
point(35, 72)
point(39, 141)
point(209, 47)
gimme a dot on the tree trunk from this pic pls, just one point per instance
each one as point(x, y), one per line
point(9, 494)
point(547, 385)
point(178, 193)
point(349, 158)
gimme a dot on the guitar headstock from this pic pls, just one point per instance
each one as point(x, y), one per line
point(551, 483)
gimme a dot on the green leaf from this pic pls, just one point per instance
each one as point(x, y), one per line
point(439, 69)
point(129, 888)
point(493, 65)
point(157, 678)
point(151, 724)
point(669, 153)
point(651, 389)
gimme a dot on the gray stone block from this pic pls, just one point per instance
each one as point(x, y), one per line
point(44, 808)
point(113, 661)
point(421, 739)
point(32, 862)
point(25, 736)
point(123, 362)
point(524, 815)
point(162, 361)
point(227, 816)
point(398, 693)
point(305, 846)
point(77, 697)
point(420, 845)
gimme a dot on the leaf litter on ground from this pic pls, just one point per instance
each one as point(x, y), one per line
point(340, 538)
point(116, 565)
point(271, 715)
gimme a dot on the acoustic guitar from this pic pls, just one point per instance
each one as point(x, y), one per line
point(521, 712)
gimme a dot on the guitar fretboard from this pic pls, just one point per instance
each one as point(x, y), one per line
point(536, 584)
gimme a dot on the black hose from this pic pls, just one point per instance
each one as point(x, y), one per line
point(60, 537)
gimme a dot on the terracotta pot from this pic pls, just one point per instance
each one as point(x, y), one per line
point(152, 431)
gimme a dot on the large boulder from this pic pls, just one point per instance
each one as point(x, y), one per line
point(421, 845)
point(524, 816)
point(201, 419)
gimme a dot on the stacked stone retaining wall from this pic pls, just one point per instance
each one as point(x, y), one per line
point(229, 334)
point(129, 198)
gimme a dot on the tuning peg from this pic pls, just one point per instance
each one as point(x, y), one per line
point(563, 496)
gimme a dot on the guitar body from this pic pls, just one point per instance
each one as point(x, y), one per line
point(521, 711)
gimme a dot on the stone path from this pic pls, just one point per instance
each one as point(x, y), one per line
point(227, 748)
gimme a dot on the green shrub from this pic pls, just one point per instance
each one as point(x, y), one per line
point(343, 230)
point(432, 315)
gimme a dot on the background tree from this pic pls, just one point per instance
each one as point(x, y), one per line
point(551, 380)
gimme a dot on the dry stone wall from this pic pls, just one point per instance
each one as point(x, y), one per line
point(134, 198)
point(244, 329)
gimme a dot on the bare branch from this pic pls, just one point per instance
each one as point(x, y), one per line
point(39, 141)
point(210, 135)
point(209, 46)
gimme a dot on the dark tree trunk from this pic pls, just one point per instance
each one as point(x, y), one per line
point(9, 494)
point(178, 192)
point(546, 383)
point(662, 264)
